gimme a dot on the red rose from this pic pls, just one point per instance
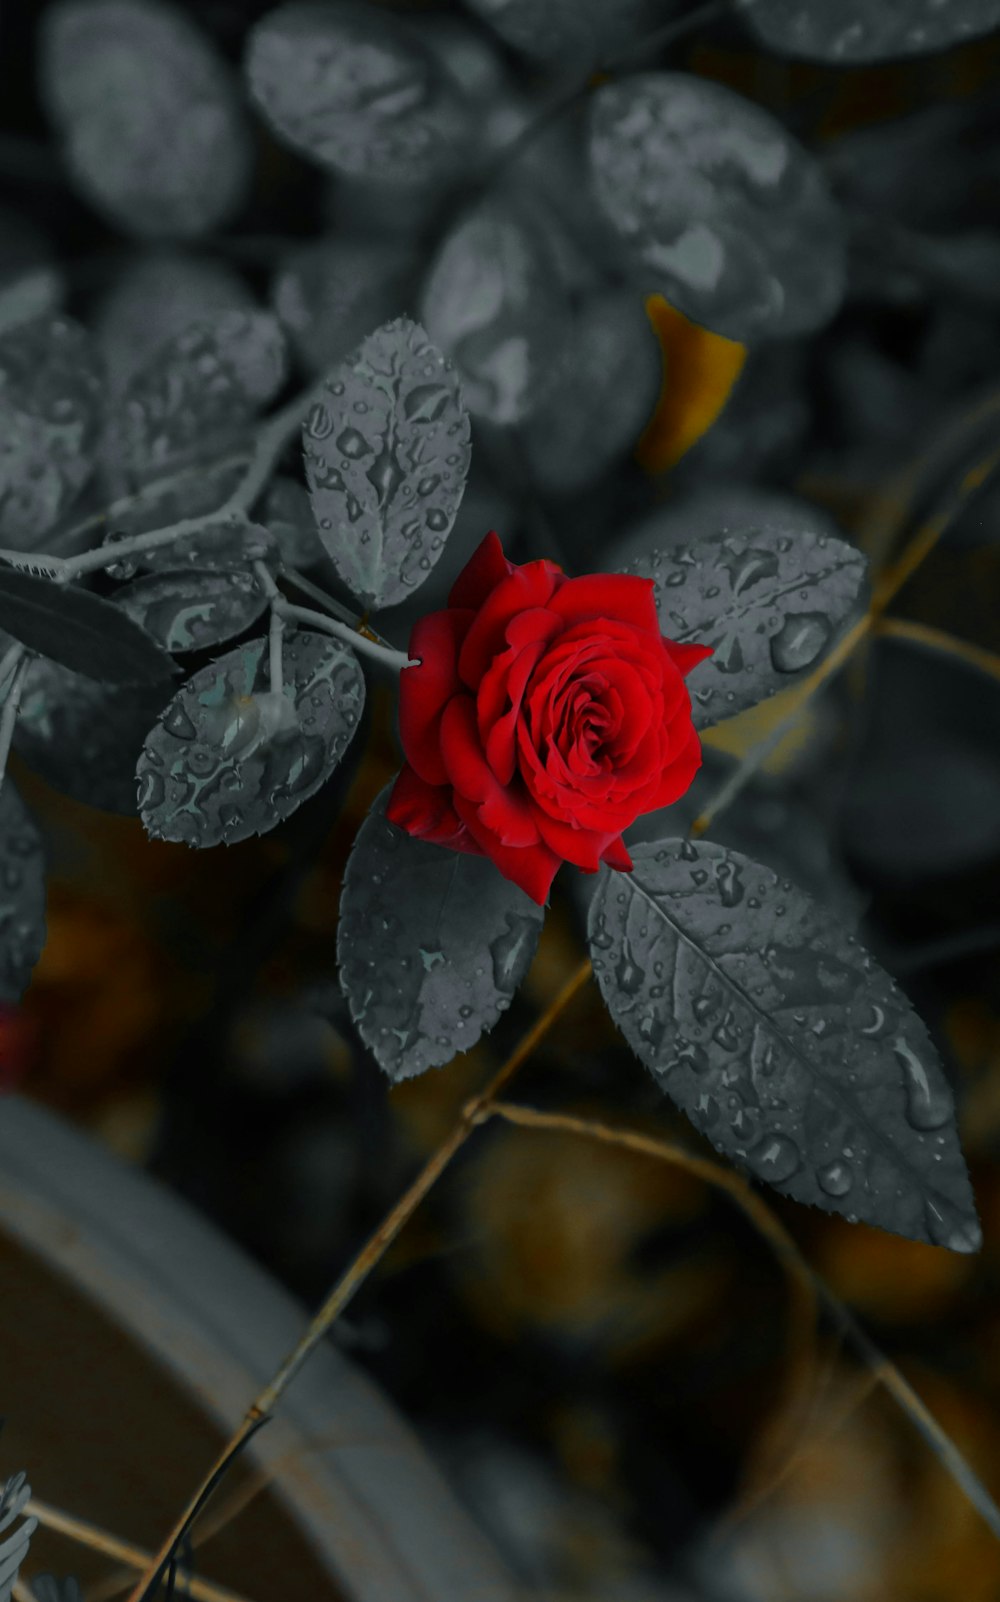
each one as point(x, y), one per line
point(546, 715)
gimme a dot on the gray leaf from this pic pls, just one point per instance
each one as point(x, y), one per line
point(79, 630)
point(357, 91)
point(331, 292)
point(387, 453)
point(771, 600)
point(781, 1039)
point(196, 396)
point(14, 1549)
point(188, 611)
point(432, 945)
point(31, 284)
point(83, 738)
point(50, 400)
point(566, 33)
point(613, 356)
point(719, 207)
point(22, 894)
point(494, 301)
point(868, 30)
point(155, 296)
point(233, 543)
point(229, 759)
point(155, 135)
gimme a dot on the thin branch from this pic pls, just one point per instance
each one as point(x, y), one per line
point(111, 1546)
point(271, 440)
point(330, 603)
point(357, 1272)
point(276, 628)
point(808, 1285)
point(896, 628)
point(574, 91)
point(353, 636)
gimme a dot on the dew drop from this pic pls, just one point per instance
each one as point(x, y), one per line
point(775, 1158)
point(928, 1099)
point(799, 641)
point(836, 1179)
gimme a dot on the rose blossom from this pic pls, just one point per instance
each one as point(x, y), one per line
point(546, 714)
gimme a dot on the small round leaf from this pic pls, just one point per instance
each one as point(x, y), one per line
point(719, 207)
point(387, 453)
point(432, 945)
point(188, 611)
point(868, 30)
point(154, 132)
point(230, 758)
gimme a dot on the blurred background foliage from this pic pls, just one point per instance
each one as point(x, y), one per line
point(595, 1345)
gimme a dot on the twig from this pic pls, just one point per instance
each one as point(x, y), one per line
point(111, 1546)
point(330, 603)
point(8, 717)
point(357, 1273)
point(897, 628)
point(807, 1285)
point(572, 92)
point(276, 628)
point(353, 636)
point(271, 440)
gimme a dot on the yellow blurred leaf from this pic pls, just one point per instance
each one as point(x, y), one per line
point(699, 371)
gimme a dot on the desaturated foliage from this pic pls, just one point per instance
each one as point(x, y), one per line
point(202, 574)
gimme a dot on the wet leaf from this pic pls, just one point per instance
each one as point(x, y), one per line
point(14, 1496)
point(494, 302)
point(387, 454)
point(79, 630)
point(330, 293)
point(219, 544)
point(432, 945)
point(719, 207)
point(188, 611)
point(195, 397)
point(31, 285)
point(230, 758)
point(868, 30)
point(50, 406)
point(287, 513)
point(155, 296)
point(84, 738)
point(779, 1037)
point(154, 132)
point(771, 599)
point(22, 894)
point(566, 33)
point(612, 356)
point(357, 91)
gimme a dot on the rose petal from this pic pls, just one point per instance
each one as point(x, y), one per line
point(425, 691)
point(502, 809)
point(426, 812)
point(481, 574)
point(528, 587)
point(616, 856)
point(532, 867)
point(686, 657)
point(627, 599)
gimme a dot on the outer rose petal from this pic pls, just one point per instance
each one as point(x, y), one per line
point(686, 657)
point(481, 574)
point(677, 779)
point(616, 856)
point(425, 691)
point(585, 848)
point(532, 867)
point(625, 598)
point(426, 812)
